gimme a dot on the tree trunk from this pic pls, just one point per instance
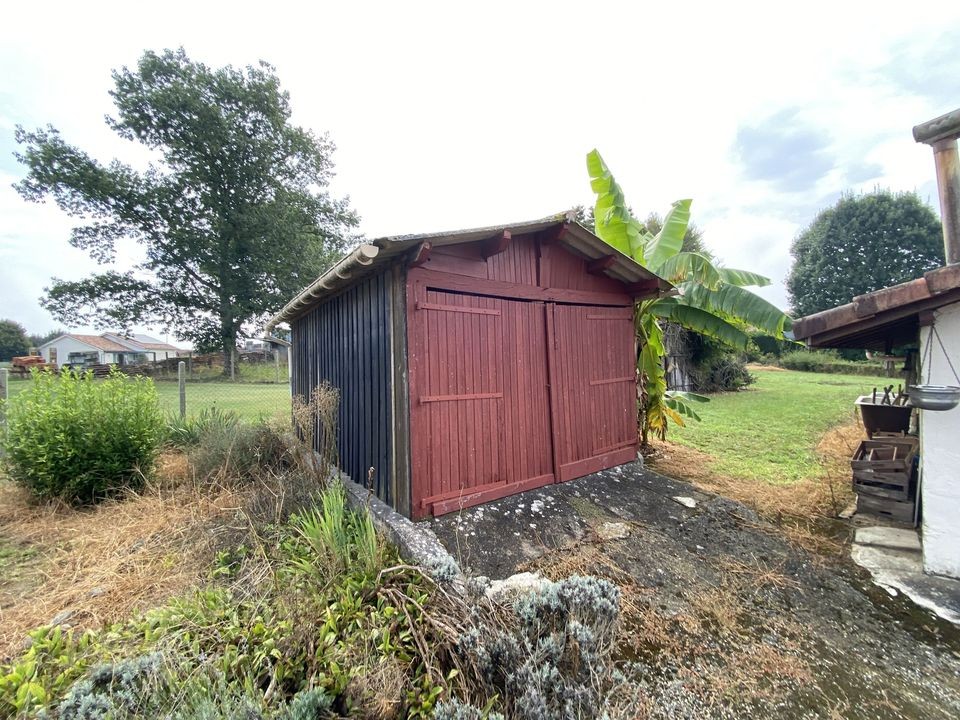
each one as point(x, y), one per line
point(228, 341)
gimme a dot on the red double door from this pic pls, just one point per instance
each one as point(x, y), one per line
point(509, 395)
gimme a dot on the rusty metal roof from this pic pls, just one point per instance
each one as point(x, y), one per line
point(100, 342)
point(368, 258)
point(883, 319)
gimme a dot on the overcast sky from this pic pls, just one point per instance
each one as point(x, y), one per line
point(448, 115)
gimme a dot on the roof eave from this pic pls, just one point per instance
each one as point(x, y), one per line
point(642, 282)
point(864, 319)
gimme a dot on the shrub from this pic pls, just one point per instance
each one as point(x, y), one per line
point(725, 372)
point(714, 367)
point(554, 659)
point(81, 439)
point(764, 346)
point(229, 451)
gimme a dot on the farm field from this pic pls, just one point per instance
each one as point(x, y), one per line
point(770, 431)
point(250, 400)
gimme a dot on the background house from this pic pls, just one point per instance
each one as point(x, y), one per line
point(78, 350)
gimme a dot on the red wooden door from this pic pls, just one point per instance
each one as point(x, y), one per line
point(479, 405)
point(593, 379)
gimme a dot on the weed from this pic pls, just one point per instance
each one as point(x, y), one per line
point(189, 432)
point(341, 539)
point(235, 452)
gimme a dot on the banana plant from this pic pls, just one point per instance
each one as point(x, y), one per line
point(709, 299)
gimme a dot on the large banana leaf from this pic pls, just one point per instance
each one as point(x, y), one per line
point(669, 240)
point(690, 267)
point(742, 277)
point(700, 320)
point(740, 303)
point(680, 402)
point(613, 222)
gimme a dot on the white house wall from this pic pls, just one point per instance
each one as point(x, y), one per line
point(940, 452)
point(65, 346)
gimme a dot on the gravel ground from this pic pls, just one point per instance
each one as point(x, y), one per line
point(722, 616)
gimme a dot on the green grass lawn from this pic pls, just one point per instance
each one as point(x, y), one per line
point(770, 430)
point(250, 400)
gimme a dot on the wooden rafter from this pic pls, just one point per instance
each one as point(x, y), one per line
point(553, 235)
point(647, 288)
point(422, 254)
point(595, 267)
point(496, 245)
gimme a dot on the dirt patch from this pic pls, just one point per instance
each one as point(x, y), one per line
point(771, 368)
point(723, 617)
point(102, 564)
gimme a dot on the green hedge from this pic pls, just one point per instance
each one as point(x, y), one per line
point(827, 362)
point(81, 440)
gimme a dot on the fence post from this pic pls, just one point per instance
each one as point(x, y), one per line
point(182, 382)
point(276, 364)
point(4, 396)
point(233, 365)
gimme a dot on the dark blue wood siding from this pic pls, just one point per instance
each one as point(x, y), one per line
point(346, 341)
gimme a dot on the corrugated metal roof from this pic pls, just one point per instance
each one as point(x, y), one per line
point(371, 256)
point(885, 318)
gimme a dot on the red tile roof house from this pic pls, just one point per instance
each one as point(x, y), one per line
point(75, 349)
point(925, 314)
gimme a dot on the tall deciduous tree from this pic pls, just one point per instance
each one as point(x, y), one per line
point(713, 301)
point(861, 244)
point(233, 214)
point(13, 340)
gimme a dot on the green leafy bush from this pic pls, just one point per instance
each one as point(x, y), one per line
point(80, 439)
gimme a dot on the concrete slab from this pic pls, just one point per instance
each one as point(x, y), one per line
point(893, 557)
point(893, 538)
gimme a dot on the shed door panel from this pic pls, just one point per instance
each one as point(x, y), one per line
point(480, 418)
point(594, 380)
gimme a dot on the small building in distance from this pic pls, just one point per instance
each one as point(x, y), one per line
point(79, 350)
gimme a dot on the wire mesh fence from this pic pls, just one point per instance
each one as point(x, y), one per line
point(251, 385)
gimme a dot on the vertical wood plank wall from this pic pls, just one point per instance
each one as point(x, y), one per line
point(346, 341)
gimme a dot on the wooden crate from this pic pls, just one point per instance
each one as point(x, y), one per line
point(901, 511)
point(884, 468)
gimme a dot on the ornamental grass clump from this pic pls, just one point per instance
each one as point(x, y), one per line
point(82, 440)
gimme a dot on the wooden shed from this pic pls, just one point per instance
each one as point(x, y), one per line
point(475, 364)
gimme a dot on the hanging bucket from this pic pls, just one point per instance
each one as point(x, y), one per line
point(934, 397)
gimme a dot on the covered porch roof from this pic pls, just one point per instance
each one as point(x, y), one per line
point(883, 319)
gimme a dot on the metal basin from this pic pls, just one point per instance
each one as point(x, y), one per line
point(934, 397)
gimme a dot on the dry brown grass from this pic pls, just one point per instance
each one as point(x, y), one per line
point(716, 644)
point(105, 563)
point(802, 509)
point(772, 368)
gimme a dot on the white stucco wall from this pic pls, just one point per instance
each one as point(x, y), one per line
point(940, 452)
point(65, 346)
